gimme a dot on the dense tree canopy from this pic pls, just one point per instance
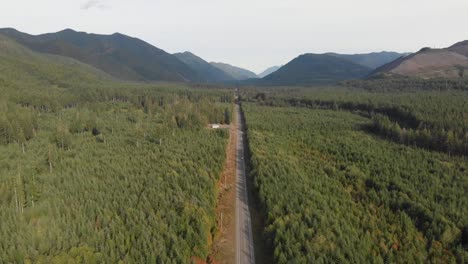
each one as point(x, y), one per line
point(329, 191)
point(435, 120)
point(97, 171)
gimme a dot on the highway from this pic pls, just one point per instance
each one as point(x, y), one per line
point(244, 238)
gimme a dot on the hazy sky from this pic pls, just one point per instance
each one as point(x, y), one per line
point(254, 34)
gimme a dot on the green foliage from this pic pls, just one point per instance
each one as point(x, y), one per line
point(61, 136)
point(410, 83)
point(227, 116)
point(442, 140)
point(331, 192)
point(17, 125)
point(105, 175)
point(137, 191)
point(440, 115)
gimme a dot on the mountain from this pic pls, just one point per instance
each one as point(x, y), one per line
point(206, 72)
point(42, 70)
point(311, 69)
point(450, 62)
point(119, 55)
point(234, 72)
point(269, 71)
point(460, 48)
point(371, 60)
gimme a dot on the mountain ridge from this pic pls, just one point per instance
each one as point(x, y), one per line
point(206, 71)
point(451, 62)
point(42, 68)
point(236, 73)
point(310, 69)
point(371, 60)
point(120, 55)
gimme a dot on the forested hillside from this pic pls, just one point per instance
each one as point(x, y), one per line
point(236, 73)
point(206, 71)
point(97, 171)
point(331, 192)
point(313, 69)
point(119, 55)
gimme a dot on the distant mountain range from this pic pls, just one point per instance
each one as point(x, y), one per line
point(132, 59)
point(119, 55)
point(269, 71)
point(214, 72)
point(128, 58)
point(451, 62)
point(236, 73)
point(310, 69)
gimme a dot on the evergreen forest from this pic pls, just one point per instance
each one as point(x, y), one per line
point(94, 170)
point(351, 175)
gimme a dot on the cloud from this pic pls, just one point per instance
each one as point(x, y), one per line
point(93, 4)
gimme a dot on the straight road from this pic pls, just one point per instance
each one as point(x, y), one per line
point(244, 238)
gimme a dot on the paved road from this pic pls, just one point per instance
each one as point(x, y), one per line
point(245, 248)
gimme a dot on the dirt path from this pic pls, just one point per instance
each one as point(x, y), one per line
point(233, 242)
point(224, 247)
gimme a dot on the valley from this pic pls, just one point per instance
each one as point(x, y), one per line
point(115, 151)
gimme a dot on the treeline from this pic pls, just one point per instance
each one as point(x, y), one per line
point(445, 141)
point(18, 123)
point(400, 113)
point(391, 84)
point(149, 97)
point(434, 121)
point(444, 109)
